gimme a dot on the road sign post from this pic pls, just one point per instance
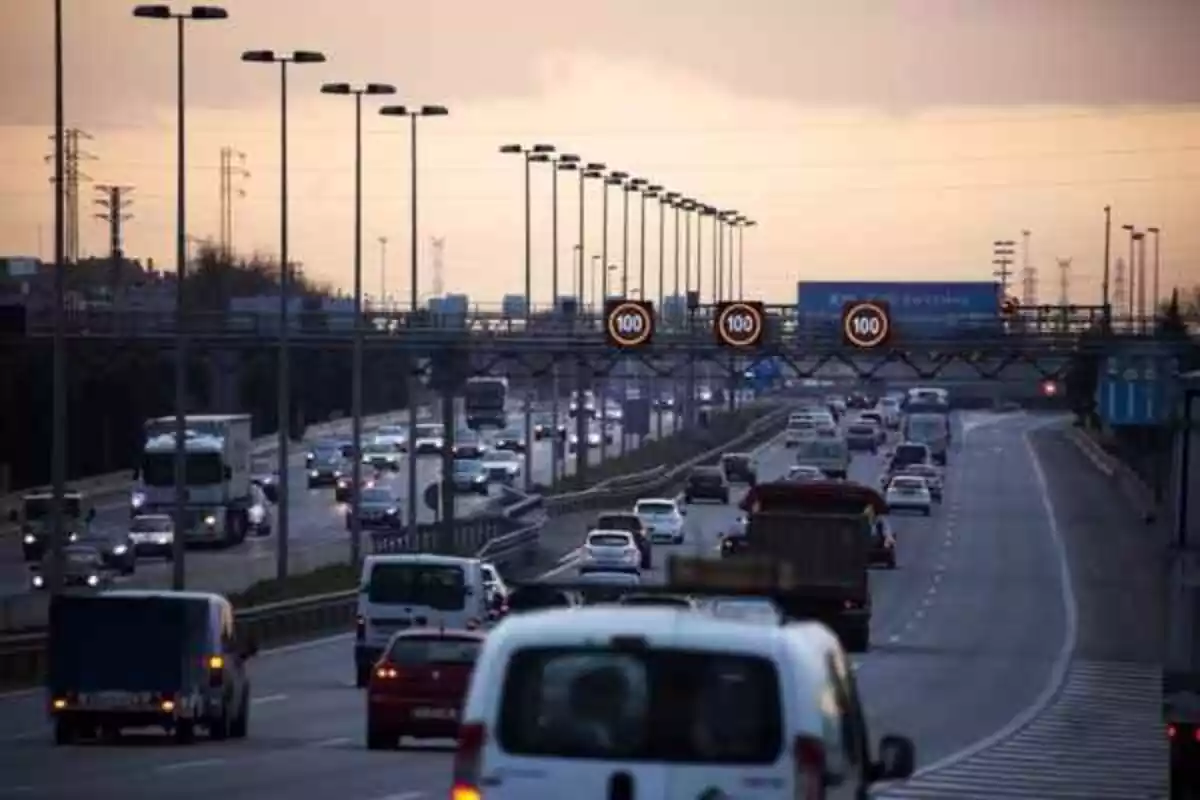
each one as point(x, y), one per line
point(628, 323)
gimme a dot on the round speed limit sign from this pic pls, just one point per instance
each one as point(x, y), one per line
point(739, 323)
point(866, 324)
point(629, 323)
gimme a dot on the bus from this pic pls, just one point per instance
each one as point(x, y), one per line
point(485, 399)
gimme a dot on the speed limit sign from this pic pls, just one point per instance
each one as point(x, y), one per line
point(628, 323)
point(739, 323)
point(866, 323)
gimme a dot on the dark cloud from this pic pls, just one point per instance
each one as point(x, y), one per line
point(896, 54)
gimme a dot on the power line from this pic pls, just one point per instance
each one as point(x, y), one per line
point(73, 154)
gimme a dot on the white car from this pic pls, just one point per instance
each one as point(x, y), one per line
point(568, 703)
point(610, 551)
point(663, 520)
point(746, 609)
point(610, 578)
point(802, 473)
point(393, 436)
point(431, 438)
point(909, 493)
point(503, 466)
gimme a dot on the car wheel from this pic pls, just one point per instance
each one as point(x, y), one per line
point(129, 568)
point(379, 739)
point(185, 732)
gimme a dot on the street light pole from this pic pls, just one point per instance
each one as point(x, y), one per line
point(356, 367)
point(1131, 272)
point(591, 170)
point(672, 199)
point(198, 13)
point(613, 179)
point(1105, 295)
point(630, 185)
point(526, 153)
point(745, 223)
point(1156, 299)
point(283, 387)
point(58, 443)
point(413, 113)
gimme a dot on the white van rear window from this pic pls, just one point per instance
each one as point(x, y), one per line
point(437, 586)
point(642, 704)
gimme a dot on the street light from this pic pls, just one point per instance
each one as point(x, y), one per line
point(527, 153)
point(614, 179)
point(1130, 271)
point(199, 14)
point(413, 113)
point(565, 162)
point(593, 170)
point(651, 192)
point(284, 387)
point(356, 368)
point(722, 225)
point(1157, 298)
point(742, 224)
point(631, 185)
point(669, 199)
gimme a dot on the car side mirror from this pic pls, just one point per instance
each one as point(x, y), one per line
point(897, 759)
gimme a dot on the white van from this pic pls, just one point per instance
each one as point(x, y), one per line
point(665, 703)
point(414, 590)
point(831, 455)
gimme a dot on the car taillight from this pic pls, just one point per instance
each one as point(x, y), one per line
point(360, 628)
point(386, 672)
point(1175, 732)
point(468, 756)
point(809, 754)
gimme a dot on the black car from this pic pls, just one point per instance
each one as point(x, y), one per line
point(860, 401)
point(512, 440)
point(322, 451)
point(706, 483)
point(343, 490)
point(116, 549)
point(739, 468)
point(327, 470)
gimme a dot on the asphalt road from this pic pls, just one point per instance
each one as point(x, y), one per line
point(317, 528)
point(966, 631)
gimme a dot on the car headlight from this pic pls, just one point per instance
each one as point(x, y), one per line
point(391, 512)
point(343, 484)
point(30, 538)
point(72, 537)
point(137, 500)
point(337, 473)
point(120, 550)
point(93, 580)
point(210, 520)
point(38, 581)
point(481, 478)
point(313, 473)
point(439, 443)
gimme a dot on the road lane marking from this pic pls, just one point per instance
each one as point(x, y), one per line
point(1062, 662)
point(270, 698)
point(404, 796)
point(181, 765)
point(337, 741)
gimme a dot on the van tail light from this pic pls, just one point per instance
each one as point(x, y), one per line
point(468, 761)
point(360, 629)
point(386, 672)
point(216, 670)
point(809, 753)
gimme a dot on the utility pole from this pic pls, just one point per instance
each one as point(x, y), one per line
point(1119, 285)
point(1028, 274)
point(438, 245)
point(73, 154)
point(1002, 259)
point(233, 172)
point(383, 243)
point(114, 200)
point(1064, 281)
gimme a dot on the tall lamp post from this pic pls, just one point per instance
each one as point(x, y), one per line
point(631, 185)
point(1131, 272)
point(413, 113)
point(593, 170)
point(284, 387)
point(614, 179)
point(672, 199)
point(527, 153)
point(196, 13)
point(742, 223)
point(1156, 297)
point(356, 368)
point(648, 192)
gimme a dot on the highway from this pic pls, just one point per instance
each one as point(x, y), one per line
point(317, 533)
point(970, 630)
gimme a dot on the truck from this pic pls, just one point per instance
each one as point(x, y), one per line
point(217, 458)
point(34, 521)
point(814, 542)
point(830, 453)
point(931, 429)
point(485, 399)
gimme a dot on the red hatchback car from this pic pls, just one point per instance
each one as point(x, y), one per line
point(419, 685)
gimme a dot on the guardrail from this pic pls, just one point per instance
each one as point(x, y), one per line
point(101, 486)
point(499, 539)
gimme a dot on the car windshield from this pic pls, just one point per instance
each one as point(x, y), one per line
point(910, 454)
point(511, 434)
point(706, 476)
point(326, 450)
point(908, 484)
point(441, 587)
point(415, 651)
point(861, 430)
point(870, 416)
point(609, 539)
point(378, 448)
point(428, 431)
point(39, 507)
point(651, 705)
point(468, 467)
point(805, 472)
point(391, 430)
point(922, 471)
point(747, 610)
point(376, 496)
point(655, 507)
point(501, 456)
point(150, 524)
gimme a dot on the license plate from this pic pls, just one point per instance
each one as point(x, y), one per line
point(112, 700)
point(435, 713)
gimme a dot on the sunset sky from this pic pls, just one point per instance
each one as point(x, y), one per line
point(871, 139)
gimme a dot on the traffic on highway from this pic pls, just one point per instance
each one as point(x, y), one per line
point(965, 550)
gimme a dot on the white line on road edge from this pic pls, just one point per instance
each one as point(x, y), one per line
point(1058, 671)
